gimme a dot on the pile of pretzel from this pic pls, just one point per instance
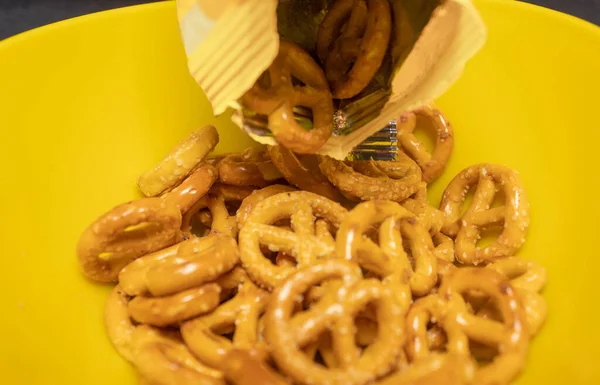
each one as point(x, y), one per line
point(352, 42)
point(228, 274)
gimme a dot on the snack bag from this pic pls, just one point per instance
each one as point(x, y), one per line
point(231, 43)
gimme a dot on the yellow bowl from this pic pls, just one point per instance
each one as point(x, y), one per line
point(88, 104)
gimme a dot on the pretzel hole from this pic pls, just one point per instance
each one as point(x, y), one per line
point(499, 199)
point(425, 132)
point(489, 235)
point(468, 199)
point(201, 223)
point(483, 354)
point(436, 338)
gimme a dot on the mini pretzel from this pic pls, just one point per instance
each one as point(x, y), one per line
point(192, 188)
point(250, 168)
point(199, 261)
point(163, 358)
point(467, 227)
point(389, 258)
point(125, 233)
point(509, 336)
point(435, 369)
point(288, 333)
point(170, 310)
point(204, 334)
point(398, 180)
point(243, 367)
point(303, 172)
point(528, 279)
point(280, 96)
point(118, 323)
point(179, 163)
point(255, 198)
point(364, 42)
point(432, 164)
point(303, 243)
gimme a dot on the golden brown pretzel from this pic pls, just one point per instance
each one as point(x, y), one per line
point(204, 334)
point(192, 188)
point(183, 158)
point(288, 333)
point(352, 55)
point(513, 215)
point(395, 181)
point(278, 98)
point(250, 168)
point(255, 198)
point(303, 243)
point(199, 261)
point(172, 309)
point(433, 163)
point(435, 369)
point(302, 171)
point(164, 358)
point(389, 257)
point(125, 233)
point(509, 336)
point(118, 324)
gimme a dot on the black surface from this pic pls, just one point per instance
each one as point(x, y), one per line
point(20, 15)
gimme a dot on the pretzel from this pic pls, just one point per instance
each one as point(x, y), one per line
point(250, 168)
point(397, 181)
point(125, 233)
point(353, 55)
point(389, 258)
point(303, 172)
point(199, 261)
point(163, 358)
point(255, 198)
point(280, 96)
point(432, 164)
point(528, 279)
point(184, 158)
point(243, 367)
point(435, 369)
point(240, 314)
point(288, 333)
point(467, 227)
point(302, 243)
point(509, 336)
point(192, 188)
point(118, 324)
point(170, 310)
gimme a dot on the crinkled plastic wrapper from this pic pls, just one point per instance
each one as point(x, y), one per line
point(230, 43)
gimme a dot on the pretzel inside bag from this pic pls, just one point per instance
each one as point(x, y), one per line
point(292, 287)
point(276, 95)
point(352, 42)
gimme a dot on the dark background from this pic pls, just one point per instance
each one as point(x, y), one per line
point(20, 15)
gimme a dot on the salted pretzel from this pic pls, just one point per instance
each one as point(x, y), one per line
point(289, 332)
point(369, 180)
point(118, 323)
point(252, 167)
point(193, 188)
point(240, 315)
point(125, 233)
point(163, 357)
point(302, 242)
point(183, 158)
point(513, 215)
point(528, 279)
point(197, 262)
point(172, 309)
point(431, 119)
point(389, 256)
point(508, 336)
point(302, 171)
point(352, 55)
point(278, 96)
point(255, 198)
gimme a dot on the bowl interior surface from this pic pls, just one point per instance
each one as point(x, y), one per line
point(88, 104)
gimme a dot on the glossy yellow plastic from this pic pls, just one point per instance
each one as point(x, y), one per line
point(88, 104)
